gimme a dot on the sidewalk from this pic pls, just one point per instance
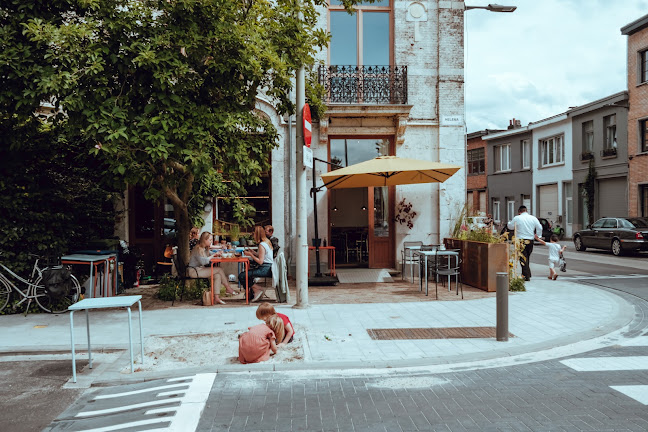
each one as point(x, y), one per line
point(550, 314)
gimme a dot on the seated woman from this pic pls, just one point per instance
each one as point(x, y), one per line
point(263, 257)
point(193, 237)
point(201, 266)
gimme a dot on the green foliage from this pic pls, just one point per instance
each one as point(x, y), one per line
point(170, 288)
point(516, 283)
point(315, 94)
point(461, 229)
point(588, 191)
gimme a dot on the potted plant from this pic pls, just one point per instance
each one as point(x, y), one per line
point(235, 234)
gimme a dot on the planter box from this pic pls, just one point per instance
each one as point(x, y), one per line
point(480, 262)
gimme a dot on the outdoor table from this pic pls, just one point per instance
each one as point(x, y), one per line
point(331, 251)
point(94, 261)
point(105, 303)
point(242, 259)
point(435, 253)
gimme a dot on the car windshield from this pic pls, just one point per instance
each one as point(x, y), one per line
point(638, 222)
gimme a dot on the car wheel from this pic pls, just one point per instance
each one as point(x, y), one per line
point(616, 247)
point(561, 235)
point(578, 243)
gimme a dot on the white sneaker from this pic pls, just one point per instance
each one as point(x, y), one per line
point(257, 296)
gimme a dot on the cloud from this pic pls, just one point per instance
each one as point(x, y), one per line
point(543, 58)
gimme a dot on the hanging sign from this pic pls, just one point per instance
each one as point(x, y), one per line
point(308, 135)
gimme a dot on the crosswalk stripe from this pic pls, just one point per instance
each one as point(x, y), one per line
point(600, 364)
point(134, 392)
point(123, 426)
point(636, 392)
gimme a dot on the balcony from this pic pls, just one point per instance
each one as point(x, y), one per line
point(364, 84)
point(609, 152)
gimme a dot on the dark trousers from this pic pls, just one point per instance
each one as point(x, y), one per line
point(264, 270)
point(525, 259)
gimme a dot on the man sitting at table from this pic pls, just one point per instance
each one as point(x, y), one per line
point(199, 267)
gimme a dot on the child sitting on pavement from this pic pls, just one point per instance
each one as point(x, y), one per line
point(266, 310)
point(554, 254)
point(257, 344)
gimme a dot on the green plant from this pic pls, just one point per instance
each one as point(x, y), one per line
point(169, 288)
point(516, 283)
point(588, 191)
point(404, 213)
point(235, 232)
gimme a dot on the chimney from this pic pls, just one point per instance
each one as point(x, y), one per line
point(514, 124)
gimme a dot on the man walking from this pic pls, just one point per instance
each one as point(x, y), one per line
point(526, 227)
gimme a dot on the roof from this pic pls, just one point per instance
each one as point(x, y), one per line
point(635, 26)
point(481, 133)
point(617, 99)
point(508, 132)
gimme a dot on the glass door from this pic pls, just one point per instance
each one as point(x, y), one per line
point(381, 226)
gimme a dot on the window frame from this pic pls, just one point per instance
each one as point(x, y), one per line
point(588, 131)
point(477, 157)
point(498, 159)
point(510, 209)
point(526, 153)
point(556, 145)
point(642, 66)
point(496, 210)
point(643, 135)
point(609, 126)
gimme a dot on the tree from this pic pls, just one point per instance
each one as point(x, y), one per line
point(164, 91)
point(588, 191)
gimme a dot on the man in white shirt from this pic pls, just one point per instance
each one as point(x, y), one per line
point(526, 227)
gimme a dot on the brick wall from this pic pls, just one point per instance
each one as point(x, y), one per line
point(476, 183)
point(638, 97)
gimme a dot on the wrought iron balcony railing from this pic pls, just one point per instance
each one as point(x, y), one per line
point(364, 84)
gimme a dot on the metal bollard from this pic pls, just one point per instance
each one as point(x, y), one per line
point(501, 331)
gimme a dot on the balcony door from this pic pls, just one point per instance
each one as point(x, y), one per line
point(360, 52)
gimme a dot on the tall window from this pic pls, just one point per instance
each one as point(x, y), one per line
point(588, 137)
point(643, 65)
point(552, 150)
point(476, 161)
point(643, 133)
point(643, 195)
point(502, 157)
point(362, 38)
point(609, 122)
point(496, 210)
point(510, 209)
point(526, 154)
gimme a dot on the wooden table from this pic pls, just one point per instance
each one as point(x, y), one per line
point(104, 303)
point(94, 261)
point(242, 259)
point(331, 250)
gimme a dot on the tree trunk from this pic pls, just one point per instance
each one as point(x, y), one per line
point(183, 224)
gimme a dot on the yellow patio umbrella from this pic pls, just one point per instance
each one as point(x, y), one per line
point(389, 171)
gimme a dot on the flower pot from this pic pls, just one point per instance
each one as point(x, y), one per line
point(480, 262)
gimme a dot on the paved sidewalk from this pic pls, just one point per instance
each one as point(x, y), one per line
point(550, 314)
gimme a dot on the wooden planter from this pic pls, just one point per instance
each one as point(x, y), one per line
point(480, 262)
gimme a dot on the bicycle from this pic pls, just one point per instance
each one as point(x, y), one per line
point(36, 289)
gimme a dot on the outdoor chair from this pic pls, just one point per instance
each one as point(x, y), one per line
point(431, 262)
point(408, 257)
point(449, 271)
point(183, 278)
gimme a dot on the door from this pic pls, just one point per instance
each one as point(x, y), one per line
point(548, 202)
point(612, 200)
point(605, 234)
point(381, 227)
point(590, 236)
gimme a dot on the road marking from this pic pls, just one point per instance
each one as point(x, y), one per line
point(134, 392)
point(187, 414)
point(590, 276)
point(601, 364)
point(636, 392)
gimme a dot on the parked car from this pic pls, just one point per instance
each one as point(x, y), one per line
point(616, 234)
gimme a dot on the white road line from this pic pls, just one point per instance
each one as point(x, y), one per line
point(599, 364)
point(127, 407)
point(134, 392)
point(636, 392)
point(193, 403)
point(125, 425)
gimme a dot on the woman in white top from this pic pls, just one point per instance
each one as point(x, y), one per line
point(200, 266)
point(263, 257)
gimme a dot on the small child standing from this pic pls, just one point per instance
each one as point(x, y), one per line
point(266, 310)
point(554, 254)
point(258, 342)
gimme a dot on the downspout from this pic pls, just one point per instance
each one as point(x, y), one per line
point(289, 231)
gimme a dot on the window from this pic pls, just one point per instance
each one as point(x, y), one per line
point(476, 161)
point(598, 223)
point(609, 223)
point(503, 158)
point(552, 150)
point(510, 209)
point(643, 133)
point(643, 65)
point(643, 196)
point(609, 123)
point(496, 210)
point(526, 154)
point(588, 137)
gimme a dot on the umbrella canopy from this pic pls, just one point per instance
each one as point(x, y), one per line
point(389, 171)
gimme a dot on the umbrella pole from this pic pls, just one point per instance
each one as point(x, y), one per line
point(318, 272)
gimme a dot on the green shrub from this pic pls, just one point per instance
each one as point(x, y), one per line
point(170, 288)
point(516, 284)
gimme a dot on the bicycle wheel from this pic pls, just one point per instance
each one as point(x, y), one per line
point(57, 304)
point(5, 294)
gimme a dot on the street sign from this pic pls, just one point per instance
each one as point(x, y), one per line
point(308, 135)
point(308, 157)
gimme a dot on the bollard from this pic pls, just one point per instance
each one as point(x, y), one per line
point(501, 331)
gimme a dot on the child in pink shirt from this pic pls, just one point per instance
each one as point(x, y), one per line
point(266, 310)
point(258, 342)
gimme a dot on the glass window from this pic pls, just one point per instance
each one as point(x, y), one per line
point(476, 161)
point(643, 194)
point(381, 212)
point(526, 154)
point(496, 210)
point(510, 209)
point(588, 136)
point(598, 223)
point(609, 123)
point(375, 34)
point(552, 150)
point(502, 157)
point(343, 38)
point(643, 59)
point(349, 151)
point(610, 223)
point(643, 131)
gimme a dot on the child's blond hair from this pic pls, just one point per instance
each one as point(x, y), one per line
point(277, 326)
point(264, 311)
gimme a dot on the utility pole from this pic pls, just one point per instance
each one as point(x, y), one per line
point(301, 240)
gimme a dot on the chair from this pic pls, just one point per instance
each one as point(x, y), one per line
point(422, 263)
point(408, 257)
point(450, 271)
point(182, 278)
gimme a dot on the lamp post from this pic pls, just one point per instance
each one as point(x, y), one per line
point(493, 8)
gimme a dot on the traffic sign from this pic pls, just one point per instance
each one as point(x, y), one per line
point(308, 135)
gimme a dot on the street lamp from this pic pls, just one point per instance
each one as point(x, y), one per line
point(494, 8)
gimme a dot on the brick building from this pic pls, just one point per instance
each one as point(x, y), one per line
point(637, 33)
point(477, 181)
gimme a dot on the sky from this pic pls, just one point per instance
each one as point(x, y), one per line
point(543, 58)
